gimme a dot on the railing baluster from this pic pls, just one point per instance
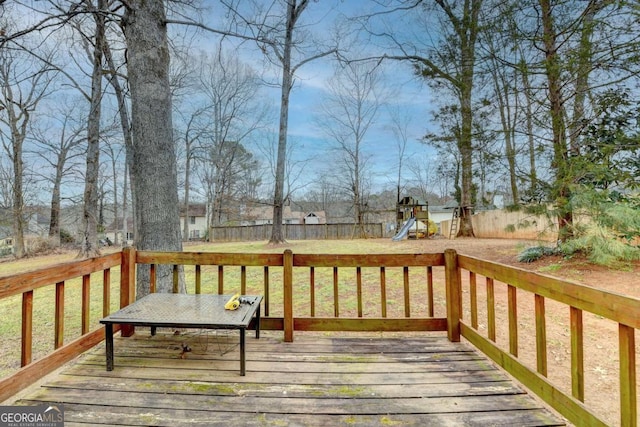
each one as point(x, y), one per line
point(243, 279)
point(287, 284)
point(459, 280)
point(453, 290)
point(27, 328)
point(106, 292)
point(176, 279)
point(407, 297)
point(430, 307)
point(512, 303)
point(152, 278)
point(541, 335)
point(220, 280)
point(198, 279)
point(359, 289)
point(312, 290)
point(86, 299)
point(128, 285)
point(628, 393)
point(473, 299)
point(577, 354)
point(58, 338)
point(336, 307)
point(491, 310)
point(383, 291)
point(266, 291)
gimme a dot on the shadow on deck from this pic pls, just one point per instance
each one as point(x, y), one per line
point(318, 380)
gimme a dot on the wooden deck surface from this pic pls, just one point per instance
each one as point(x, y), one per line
point(318, 380)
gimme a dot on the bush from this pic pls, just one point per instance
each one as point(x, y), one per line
point(41, 245)
point(607, 239)
point(534, 253)
point(602, 246)
point(66, 237)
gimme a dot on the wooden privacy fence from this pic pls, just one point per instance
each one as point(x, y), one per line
point(374, 292)
point(296, 232)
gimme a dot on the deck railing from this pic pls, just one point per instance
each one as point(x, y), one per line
point(303, 292)
point(52, 283)
point(578, 299)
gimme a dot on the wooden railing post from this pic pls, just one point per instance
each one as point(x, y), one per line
point(628, 393)
point(86, 302)
point(127, 284)
point(58, 335)
point(453, 294)
point(287, 278)
point(27, 328)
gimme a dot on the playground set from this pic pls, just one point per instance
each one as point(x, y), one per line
point(412, 219)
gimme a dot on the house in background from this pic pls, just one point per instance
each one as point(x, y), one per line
point(443, 212)
point(115, 231)
point(197, 217)
point(262, 215)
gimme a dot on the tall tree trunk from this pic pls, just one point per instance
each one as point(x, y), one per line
point(187, 177)
point(154, 169)
point(126, 135)
point(468, 31)
point(277, 235)
point(533, 173)
point(19, 220)
point(582, 71)
point(17, 120)
point(54, 221)
point(89, 245)
point(561, 188)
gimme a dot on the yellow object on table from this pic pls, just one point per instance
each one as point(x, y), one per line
point(233, 303)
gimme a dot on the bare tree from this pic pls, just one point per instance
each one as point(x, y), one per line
point(296, 164)
point(284, 38)
point(60, 142)
point(125, 123)
point(506, 87)
point(400, 130)
point(235, 112)
point(444, 53)
point(113, 149)
point(351, 108)
point(24, 82)
point(89, 232)
point(194, 131)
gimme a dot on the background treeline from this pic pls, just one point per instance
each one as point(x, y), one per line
point(534, 101)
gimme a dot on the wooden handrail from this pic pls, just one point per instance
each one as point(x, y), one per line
point(17, 284)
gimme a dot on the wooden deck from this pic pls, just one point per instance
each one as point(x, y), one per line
point(318, 380)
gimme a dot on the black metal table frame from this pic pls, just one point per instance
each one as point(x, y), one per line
point(153, 323)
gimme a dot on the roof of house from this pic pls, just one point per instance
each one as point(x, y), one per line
point(195, 209)
point(266, 213)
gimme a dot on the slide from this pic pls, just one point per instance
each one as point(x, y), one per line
point(404, 230)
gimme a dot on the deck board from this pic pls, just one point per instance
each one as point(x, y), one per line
point(317, 380)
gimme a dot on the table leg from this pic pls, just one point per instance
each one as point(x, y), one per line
point(108, 337)
point(258, 322)
point(243, 361)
